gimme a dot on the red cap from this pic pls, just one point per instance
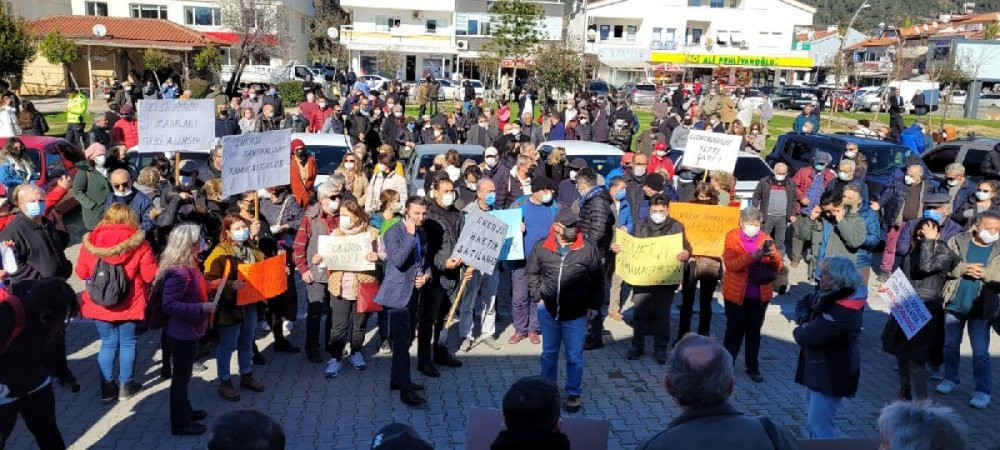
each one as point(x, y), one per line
point(660, 146)
point(296, 143)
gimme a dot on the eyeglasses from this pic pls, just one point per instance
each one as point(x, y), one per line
point(116, 185)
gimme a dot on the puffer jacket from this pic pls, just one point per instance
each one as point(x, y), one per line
point(568, 285)
point(989, 289)
point(829, 327)
point(873, 235)
point(91, 189)
point(737, 262)
point(442, 226)
point(597, 220)
point(125, 131)
point(124, 246)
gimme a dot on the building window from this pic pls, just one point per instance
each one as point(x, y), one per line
point(694, 36)
point(717, 4)
point(149, 11)
point(469, 24)
point(384, 23)
point(695, 3)
point(671, 35)
point(200, 15)
point(619, 31)
point(630, 32)
point(97, 9)
point(431, 27)
point(302, 23)
point(605, 32)
point(657, 35)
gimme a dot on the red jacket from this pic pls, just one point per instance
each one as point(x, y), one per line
point(120, 245)
point(656, 162)
point(126, 131)
point(804, 177)
point(318, 117)
point(737, 262)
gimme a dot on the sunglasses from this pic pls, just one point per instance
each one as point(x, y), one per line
point(116, 185)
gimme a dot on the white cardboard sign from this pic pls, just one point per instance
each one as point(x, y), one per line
point(905, 305)
point(255, 161)
point(176, 125)
point(481, 241)
point(712, 151)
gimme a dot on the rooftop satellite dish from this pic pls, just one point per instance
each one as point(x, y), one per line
point(333, 32)
point(99, 30)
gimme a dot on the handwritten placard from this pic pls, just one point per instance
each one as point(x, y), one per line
point(712, 151)
point(909, 311)
point(264, 279)
point(255, 161)
point(513, 245)
point(176, 125)
point(347, 253)
point(481, 241)
point(649, 261)
point(706, 225)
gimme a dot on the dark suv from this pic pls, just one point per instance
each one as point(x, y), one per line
point(797, 151)
point(971, 153)
point(792, 98)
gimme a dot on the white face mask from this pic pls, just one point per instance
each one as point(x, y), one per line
point(952, 182)
point(483, 124)
point(447, 199)
point(988, 237)
point(909, 180)
point(453, 173)
point(491, 162)
point(437, 133)
point(349, 166)
point(124, 193)
point(345, 222)
point(661, 153)
point(658, 218)
point(583, 120)
point(851, 154)
point(333, 205)
point(572, 175)
point(844, 176)
point(546, 198)
point(99, 160)
point(982, 196)
point(398, 114)
point(779, 178)
point(751, 230)
point(639, 170)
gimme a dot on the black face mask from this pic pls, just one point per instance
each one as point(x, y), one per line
point(302, 154)
point(569, 234)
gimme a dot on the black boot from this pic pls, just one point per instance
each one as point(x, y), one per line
point(411, 398)
point(109, 391)
point(443, 357)
point(313, 315)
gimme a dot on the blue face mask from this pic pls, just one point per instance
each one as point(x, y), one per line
point(490, 199)
point(34, 209)
point(933, 215)
point(819, 167)
point(620, 195)
point(411, 126)
point(242, 235)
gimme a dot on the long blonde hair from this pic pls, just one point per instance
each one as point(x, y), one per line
point(179, 250)
point(120, 214)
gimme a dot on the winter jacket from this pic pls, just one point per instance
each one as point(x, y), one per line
point(39, 249)
point(76, 107)
point(99, 135)
point(381, 182)
point(701, 428)
point(801, 120)
point(967, 190)
point(828, 331)
point(873, 235)
point(140, 205)
point(727, 110)
point(893, 197)
point(620, 137)
point(928, 268)
point(228, 313)
point(804, 178)
point(124, 246)
point(762, 195)
point(358, 124)
point(226, 126)
point(844, 238)
point(333, 124)
point(568, 285)
point(991, 165)
point(965, 214)
point(913, 138)
point(91, 189)
point(265, 123)
point(737, 263)
point(989, 288)
point(184, 290)
point(391, 132)
point(508, 187)
point(949, 229)
point(407, 258)
point(597, 221)
point(125, 131)
point(600, 125)
point(317, 116)
point(8, 122)
point(443, 226)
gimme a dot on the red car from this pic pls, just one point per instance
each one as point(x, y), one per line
point(60, 158)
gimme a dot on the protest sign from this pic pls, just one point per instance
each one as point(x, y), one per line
point(705, 226)
point(481, 241)
point(346, 253)
point(513, 245)
point(176, 125)
point(712, 151)
point(264, 279)
point(906, 306)
point(649, 261)
point(255, 161)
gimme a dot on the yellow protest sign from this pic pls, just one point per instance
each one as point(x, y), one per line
point(706, 226)
point(649, 261)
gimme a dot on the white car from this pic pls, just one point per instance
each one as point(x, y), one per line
point(750, 169)
point(460, 90)
point(374, 82)
point(328, 149)
point(957, 97)
point(603, 158)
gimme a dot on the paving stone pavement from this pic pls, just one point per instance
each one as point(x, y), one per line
point(344, 412)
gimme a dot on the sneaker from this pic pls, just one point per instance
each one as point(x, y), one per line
point(333, 368)
point(358, 361)
point(288, 326)
point(490, 342)
point(946, 387)
point(980, 400)
point(573, 403)
point(385, 348)
point(935, 373)
point(265, 327)
point(129, 389)
point(109, 392)
point(198, 367)
point(466, 345)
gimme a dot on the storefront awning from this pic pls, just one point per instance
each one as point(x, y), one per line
point(625, 64)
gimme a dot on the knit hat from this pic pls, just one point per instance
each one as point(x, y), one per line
point(399, 436)
point(654, 181)
point(660, 146)
point(296, 143)
point(95, 149)
point(542, 184)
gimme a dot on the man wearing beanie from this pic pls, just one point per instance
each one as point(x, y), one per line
point(566, 278)
point(538, 211)
point(90, 187)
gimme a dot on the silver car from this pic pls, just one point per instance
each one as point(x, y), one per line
point(642, 94)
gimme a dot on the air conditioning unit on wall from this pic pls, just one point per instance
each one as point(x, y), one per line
point(462, 44)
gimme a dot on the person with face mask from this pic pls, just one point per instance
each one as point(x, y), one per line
point(538, 210)
point(775, 198)
point(810, 183)
point(15, 167)
point(468, 186)
point(969, 304)
point(283, 215)
point(658, 160)
point(597, 225)
point(225, 124)
point(320, 112)
point(90, 187)
point(358, 125)
point(852, 153)
point(568, 189)
point(491, 162)
point(126, 129)
point(303, 173)
point(565, 278)
point(900, 201)
point(637, 190)
point(620, 135)
point(268, 120)
point(833, 228)
point(237, 324)
point(354, 175)
point(959, 187)
point(334, 124)
point(254, 102)
point(272, 98)
point(984, 199)
point(584, 129)
point(853, 199)
point(123, 192)
point(927, 265)
point(478, 305)
point(481, 133)
point(618, 291)
point(846, 170)
point(385, 176)
point(391, 129)
point(653, 303)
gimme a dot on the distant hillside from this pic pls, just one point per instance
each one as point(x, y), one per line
point(892, 12)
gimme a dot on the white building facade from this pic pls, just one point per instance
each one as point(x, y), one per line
point(733, 41)
point(206, 16)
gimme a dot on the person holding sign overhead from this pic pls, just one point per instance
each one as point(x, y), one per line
point(652, 303)
point(443, 225)
point(236, 323)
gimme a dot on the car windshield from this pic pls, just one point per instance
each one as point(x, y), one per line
point(444, 83)
point(882, 160)
point(477, 84)
point(750, 169)
point(327, 156)
point(598, 86)
point(426, 161)
point(645, 87)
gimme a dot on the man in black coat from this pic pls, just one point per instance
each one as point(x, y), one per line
point(226, 124)
point(597, 223)
point(100, 132)
point(358, 125)
point(392, 128)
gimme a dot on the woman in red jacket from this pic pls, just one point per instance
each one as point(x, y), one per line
point(118, 241)
point(752, 263)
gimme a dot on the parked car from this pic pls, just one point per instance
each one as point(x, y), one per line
point(272, 75)
point(970, 153)
point(327, 70)
point(749, 170)
point(328, 149)
point(756, 97)
point(600, 157)
point(867, 99)
point(459, 89)
point(53, 157)
point(792, 98)
point(374, 82)
point(640, 93)
point(797, 151)
point(599, 87)
point(447, 89)
point(988, 100)
point(957, 97)
point(423, 158)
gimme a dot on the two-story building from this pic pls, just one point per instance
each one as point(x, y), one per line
point(735, 41)
point(824, 47)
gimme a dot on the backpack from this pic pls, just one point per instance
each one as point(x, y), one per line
point(108, 285)
point(18, 307)
point(155, 317)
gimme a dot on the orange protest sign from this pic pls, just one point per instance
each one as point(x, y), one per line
point(264, 279)
point(705, 226)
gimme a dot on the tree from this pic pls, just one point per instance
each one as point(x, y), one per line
point(59, 50)
point(991, 31)
point(516, 27)
point(17, 47)
point(208, 62)
point(156, 60)
point(388, 63)
point(262, 30)
point(950, 73)
point(321, 47)
point(563, 70)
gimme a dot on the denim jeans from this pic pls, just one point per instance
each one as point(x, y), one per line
point(569, 334)
point(116, 338)
point(821, 412)
point(238, 338)
point(979, 340)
